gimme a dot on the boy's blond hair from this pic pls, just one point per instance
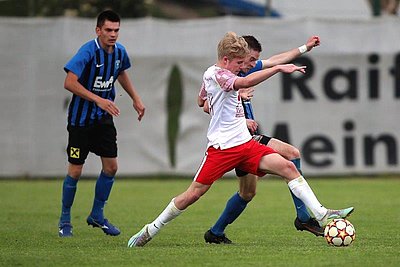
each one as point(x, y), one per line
point(232, 46)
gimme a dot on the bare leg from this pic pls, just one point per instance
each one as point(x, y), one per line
point(177, 205)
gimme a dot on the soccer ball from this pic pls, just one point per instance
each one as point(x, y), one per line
point(339, 233)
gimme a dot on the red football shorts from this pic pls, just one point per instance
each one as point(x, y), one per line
point(217, 162)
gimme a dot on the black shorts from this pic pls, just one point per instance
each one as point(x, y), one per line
point(262, 139)
point(99, 138)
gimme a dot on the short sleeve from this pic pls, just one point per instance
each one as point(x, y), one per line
point(78, 62)
point(126, 63)
point(225, 79)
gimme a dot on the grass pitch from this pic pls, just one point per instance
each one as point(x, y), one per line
point(264, 235)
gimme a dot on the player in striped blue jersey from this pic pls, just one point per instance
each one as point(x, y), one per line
point(247, 182)
point(91, 75)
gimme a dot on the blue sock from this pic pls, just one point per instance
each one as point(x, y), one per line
point(68, 195)
point(102, 191)
point(234, 207)
point(297, 164)
point(301, 209)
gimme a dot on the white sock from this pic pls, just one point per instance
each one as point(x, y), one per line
point(168, 214)
point(303, 191)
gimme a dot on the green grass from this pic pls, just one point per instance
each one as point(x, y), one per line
point(264, 235)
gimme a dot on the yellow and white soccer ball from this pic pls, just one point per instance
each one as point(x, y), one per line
point(340, 233)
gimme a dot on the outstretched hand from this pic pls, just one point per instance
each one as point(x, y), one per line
point(246, 93)
point(290, 68)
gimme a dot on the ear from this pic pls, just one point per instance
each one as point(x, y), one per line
point(225, 60)
point(98, 30)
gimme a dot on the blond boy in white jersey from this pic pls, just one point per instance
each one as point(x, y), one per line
point(230, 144)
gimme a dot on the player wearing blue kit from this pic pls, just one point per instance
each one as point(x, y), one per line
point(91, 75)
point(238, 202)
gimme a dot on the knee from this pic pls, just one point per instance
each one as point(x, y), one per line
point(111, 169)
point(75, 171)
point(294, 153)
point(289, 170)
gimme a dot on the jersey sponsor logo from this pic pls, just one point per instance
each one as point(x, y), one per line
point(74, 152)
point(100, 85)
point(239, 111)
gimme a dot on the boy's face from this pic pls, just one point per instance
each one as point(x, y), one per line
point(251, 60)
point(234, 65)
point(108, 33)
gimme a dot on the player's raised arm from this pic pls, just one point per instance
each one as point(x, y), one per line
point(288, 56)
point(259, 76)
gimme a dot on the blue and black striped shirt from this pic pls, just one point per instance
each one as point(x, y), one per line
point(248, 108)
point(97, 71)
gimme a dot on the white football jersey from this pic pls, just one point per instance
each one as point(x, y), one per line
point(227, 126)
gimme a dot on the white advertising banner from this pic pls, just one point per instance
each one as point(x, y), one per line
point(342, 114)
